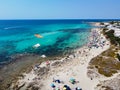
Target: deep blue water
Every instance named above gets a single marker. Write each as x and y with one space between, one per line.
17 36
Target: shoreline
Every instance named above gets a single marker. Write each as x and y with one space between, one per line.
10 72
80 60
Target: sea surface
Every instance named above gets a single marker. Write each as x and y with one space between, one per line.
59 36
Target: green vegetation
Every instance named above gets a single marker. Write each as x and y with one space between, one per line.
110 35
105 87
112 22
118 56
106 63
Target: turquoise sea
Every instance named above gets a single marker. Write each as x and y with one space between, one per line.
59 36
18 36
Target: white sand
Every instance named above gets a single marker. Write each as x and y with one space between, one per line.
75 67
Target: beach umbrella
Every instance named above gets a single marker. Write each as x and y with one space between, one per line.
64 88
57 88
78 88
52 85
57 80
72 79
65 85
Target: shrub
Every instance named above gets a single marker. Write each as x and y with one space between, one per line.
118 56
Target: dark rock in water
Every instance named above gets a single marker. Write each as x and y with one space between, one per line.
3 59
10 59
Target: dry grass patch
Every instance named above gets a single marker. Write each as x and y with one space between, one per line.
106 63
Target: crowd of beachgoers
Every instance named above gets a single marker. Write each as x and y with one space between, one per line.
69 73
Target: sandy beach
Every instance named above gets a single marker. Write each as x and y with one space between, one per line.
73 66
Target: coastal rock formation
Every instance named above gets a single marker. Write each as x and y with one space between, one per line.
112 84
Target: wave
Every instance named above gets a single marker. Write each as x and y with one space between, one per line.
12 27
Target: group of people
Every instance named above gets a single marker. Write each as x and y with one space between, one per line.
64 87
96 40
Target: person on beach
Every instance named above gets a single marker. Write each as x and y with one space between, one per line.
53 80
47 63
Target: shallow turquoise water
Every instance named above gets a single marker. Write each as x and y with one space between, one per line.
57 37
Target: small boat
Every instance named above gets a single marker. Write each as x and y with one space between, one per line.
36 45
38 36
